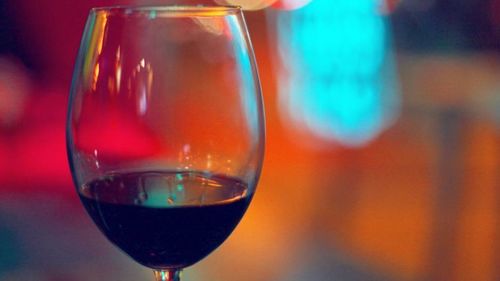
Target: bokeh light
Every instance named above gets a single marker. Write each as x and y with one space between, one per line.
290 4
249 5
337 77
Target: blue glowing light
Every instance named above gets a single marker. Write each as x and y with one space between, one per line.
337 77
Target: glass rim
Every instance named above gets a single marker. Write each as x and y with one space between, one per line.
169 10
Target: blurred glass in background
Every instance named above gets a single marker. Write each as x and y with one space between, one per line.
382 158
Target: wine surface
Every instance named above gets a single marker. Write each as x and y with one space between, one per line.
166 219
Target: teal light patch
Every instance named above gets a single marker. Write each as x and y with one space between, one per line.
152 14
339 80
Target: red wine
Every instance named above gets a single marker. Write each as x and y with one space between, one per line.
166 219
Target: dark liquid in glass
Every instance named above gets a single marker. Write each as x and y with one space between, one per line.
166 220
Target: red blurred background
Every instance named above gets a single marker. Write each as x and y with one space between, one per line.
417 200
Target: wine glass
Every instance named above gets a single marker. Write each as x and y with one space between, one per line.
165 129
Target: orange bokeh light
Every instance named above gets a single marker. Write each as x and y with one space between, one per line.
249 5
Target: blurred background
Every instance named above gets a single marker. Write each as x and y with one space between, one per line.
383 145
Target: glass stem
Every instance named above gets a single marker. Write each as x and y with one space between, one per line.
168 275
